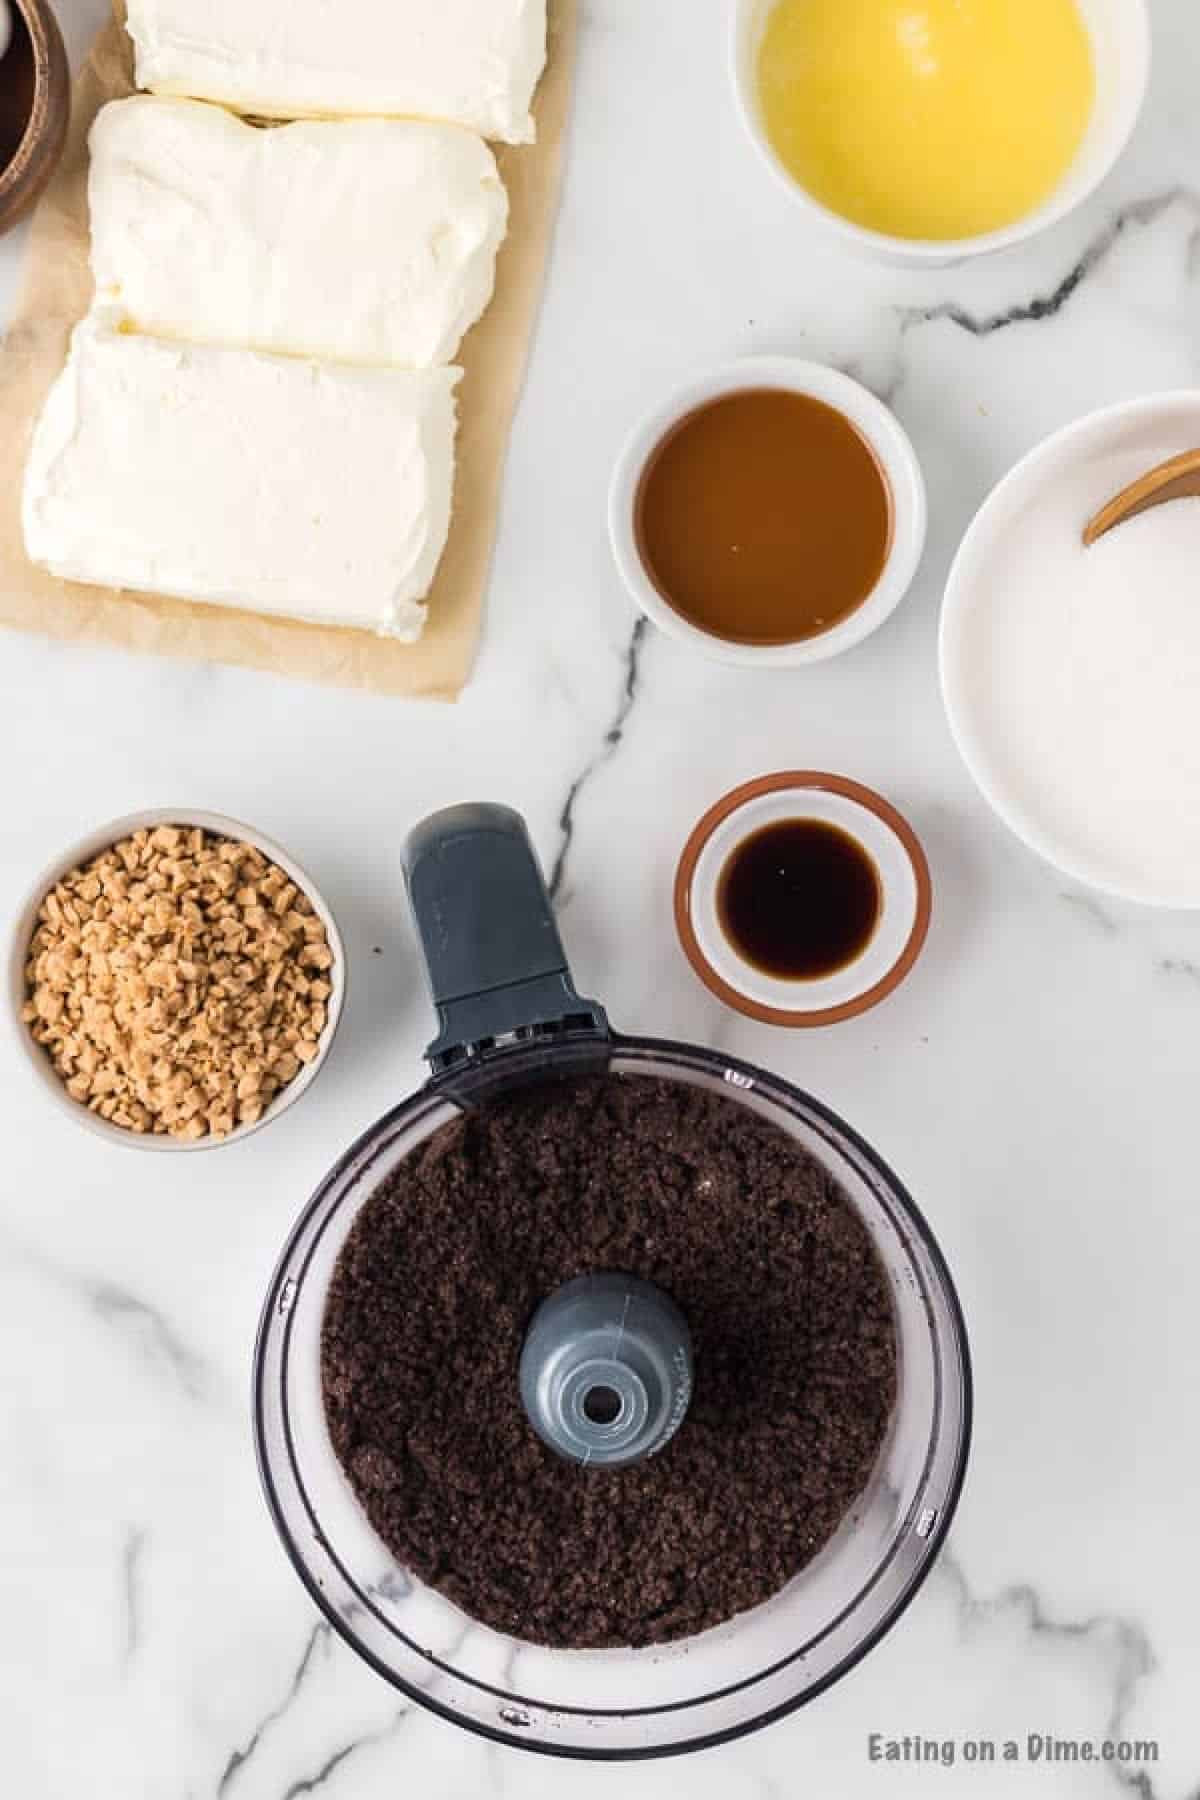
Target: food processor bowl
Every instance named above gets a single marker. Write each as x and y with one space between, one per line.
664 1699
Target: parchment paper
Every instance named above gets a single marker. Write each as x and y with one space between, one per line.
56 294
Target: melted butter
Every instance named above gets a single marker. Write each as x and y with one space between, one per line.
934 119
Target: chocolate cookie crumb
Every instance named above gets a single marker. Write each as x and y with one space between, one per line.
794 1340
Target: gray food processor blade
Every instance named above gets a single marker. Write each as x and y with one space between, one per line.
606 1370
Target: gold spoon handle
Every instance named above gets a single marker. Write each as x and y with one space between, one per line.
1177 479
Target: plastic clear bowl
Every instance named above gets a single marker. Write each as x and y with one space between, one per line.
619 1703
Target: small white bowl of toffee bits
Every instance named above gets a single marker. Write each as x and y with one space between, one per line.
177 981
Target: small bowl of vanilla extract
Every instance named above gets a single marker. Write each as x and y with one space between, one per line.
803 899
771 514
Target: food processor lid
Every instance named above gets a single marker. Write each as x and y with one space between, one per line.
497 970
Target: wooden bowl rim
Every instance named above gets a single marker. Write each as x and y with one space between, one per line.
46 127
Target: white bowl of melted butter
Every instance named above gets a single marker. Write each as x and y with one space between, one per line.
922 132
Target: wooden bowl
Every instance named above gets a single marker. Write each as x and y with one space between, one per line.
35 107
902 870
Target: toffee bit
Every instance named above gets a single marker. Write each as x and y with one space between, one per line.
177 983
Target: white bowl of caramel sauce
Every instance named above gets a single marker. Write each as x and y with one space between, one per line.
769 514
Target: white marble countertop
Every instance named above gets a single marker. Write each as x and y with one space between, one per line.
1034 1082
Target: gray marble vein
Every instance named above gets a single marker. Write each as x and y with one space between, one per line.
132 1552
608 748
1180 966
507 1678
493 1762
1191 260
309 1784
1045 306
318 1638
1131 1651
118 1306
1086 906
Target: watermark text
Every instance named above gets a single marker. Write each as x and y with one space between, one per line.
1033 1747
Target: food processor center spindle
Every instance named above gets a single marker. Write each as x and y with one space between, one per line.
606 1370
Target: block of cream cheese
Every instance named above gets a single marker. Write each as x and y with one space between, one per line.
364 240
470 62
317 491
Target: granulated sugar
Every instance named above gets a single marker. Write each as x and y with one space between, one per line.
1073 678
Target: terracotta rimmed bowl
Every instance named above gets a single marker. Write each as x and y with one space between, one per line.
102 839
35 155
899 935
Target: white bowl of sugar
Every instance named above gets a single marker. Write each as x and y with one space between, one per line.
1071 677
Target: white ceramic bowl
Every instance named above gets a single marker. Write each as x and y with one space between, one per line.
101 839
887 438
1040 509
885 959
1120 33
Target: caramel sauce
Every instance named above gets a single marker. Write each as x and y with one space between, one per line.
764 517
799 900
